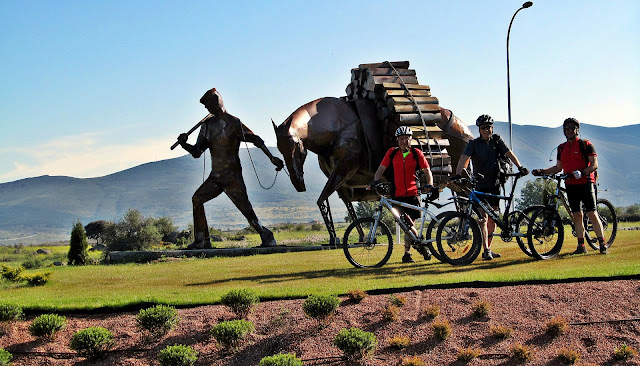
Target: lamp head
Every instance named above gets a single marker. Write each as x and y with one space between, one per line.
527 4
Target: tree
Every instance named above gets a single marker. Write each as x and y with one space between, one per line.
134 232
78 254
164 225
368 208
98 230
532 194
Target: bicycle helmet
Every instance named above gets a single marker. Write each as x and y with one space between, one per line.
483 120
403 130
571 120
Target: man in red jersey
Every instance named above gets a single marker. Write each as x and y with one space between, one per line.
578 158
405 160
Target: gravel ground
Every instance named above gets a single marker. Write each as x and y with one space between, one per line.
281 326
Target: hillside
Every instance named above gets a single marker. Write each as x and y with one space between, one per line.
47 205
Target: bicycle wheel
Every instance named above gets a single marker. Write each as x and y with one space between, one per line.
609 219
434 247
545 233
370 249
459 238
522 225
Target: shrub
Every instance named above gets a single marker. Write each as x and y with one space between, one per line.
431 311
398 301
37 279
281 360
320 307
78 254
355 343
441 329
521 353
5 357
501 331
411 361
157 320
481 309
91 342
230 333
177 355
32 263
390 313
568 356
356 295
467 355
399 342
557 326
624 352
10 312
240 301
47 325
10 273
317 227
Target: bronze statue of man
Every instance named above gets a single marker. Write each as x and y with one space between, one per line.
222 133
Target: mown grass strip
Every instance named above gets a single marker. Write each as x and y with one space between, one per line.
297 275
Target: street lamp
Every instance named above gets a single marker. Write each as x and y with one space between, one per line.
524 6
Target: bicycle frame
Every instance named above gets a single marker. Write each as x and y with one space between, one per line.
425 212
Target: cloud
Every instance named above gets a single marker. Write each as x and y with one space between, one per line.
83 156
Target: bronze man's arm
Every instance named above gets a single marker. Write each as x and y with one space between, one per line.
191 149
249 136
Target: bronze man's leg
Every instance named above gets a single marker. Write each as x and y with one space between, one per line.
237 193
206 192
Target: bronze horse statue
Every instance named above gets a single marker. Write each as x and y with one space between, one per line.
332 128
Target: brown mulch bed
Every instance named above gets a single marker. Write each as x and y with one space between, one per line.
281 327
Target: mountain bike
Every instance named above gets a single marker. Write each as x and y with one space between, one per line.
546 227
471 209
368 241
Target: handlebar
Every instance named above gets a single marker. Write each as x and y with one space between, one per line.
555 176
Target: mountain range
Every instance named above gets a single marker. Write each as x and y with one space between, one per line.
44 208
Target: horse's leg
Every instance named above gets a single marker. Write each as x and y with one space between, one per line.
338 176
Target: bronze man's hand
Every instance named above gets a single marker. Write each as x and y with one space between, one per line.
278 163
182 139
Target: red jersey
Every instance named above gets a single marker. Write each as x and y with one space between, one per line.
572 158
404 171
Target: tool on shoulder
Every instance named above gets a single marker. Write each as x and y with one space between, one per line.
192 129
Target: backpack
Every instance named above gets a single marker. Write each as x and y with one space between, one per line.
504 166
389 175
585 154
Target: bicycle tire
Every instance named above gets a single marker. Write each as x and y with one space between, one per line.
460 243
523 221
609 219
434 248
545 233
363 254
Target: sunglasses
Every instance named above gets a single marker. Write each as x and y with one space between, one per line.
569 128
486 128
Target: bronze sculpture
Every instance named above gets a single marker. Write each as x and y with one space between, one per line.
222 133
331 128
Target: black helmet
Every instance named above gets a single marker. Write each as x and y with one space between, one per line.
571 120
483 120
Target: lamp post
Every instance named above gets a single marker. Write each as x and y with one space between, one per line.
524 6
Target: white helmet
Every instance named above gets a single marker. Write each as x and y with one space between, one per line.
403 130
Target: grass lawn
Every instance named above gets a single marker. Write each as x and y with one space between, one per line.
204 281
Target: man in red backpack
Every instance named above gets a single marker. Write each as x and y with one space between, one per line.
404 161
578 158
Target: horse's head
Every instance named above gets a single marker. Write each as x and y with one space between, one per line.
293 151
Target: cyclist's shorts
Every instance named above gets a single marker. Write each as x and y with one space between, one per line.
493 201
584 193
412 200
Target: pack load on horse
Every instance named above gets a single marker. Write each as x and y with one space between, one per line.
351 134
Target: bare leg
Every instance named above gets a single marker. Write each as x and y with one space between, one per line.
597 224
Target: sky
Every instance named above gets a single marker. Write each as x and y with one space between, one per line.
89 88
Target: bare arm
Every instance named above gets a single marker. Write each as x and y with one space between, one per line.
462 164
379 172
427 173
593 167
513 158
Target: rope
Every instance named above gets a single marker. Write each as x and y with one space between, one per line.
254 166
424 125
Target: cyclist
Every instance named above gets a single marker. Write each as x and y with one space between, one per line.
404 161
483 152
578 158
